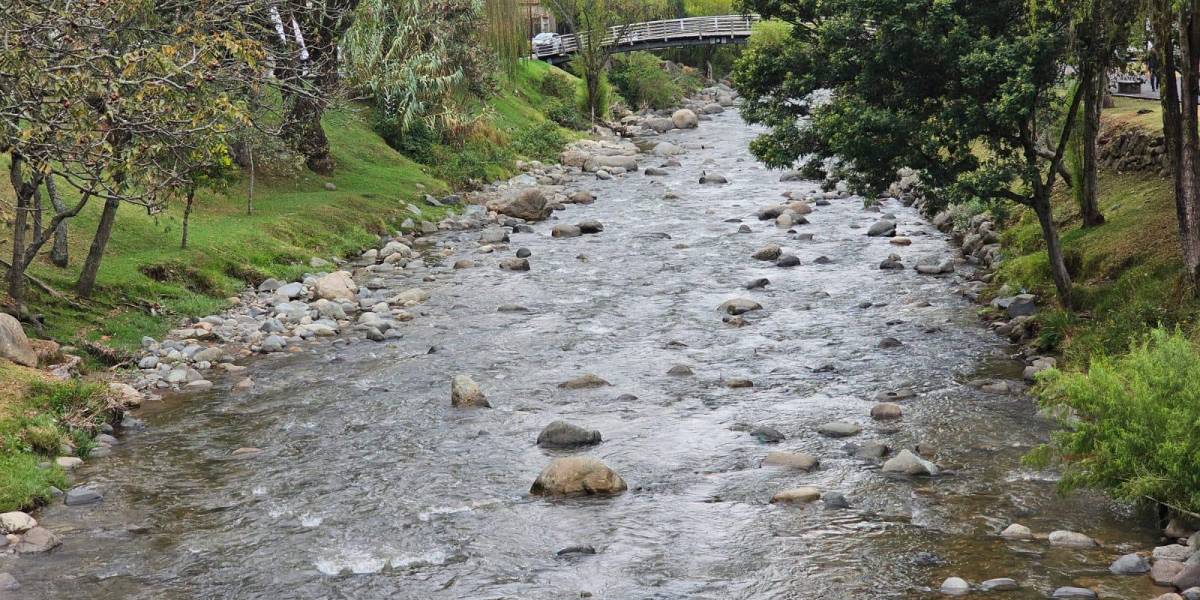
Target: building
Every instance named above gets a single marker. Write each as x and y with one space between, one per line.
539 17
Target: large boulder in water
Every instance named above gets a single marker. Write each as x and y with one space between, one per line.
596 163
337 285
685 119
561 434
529 204
907 463
577 475
14 345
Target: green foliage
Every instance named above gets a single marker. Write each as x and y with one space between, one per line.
542 141
641 80
411 75
24 484
559 85
42 435
1137 435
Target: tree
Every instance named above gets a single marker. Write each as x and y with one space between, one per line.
306 35
1175 32
1099 34
600 26
92 96
968 93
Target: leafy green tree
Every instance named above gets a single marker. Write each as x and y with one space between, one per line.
968 93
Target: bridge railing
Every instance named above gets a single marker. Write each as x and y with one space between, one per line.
665 30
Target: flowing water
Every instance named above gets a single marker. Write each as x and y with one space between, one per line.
371 486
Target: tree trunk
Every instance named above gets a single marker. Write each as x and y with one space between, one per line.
59 252
91 266
16 271
1187 186
306 134
187 215
1093 83
250 189
1054 251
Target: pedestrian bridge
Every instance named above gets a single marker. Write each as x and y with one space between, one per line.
655 35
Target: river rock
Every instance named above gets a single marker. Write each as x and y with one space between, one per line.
1130 564
68 462
1191 593
1073 593
800 495
680 371
798 460
768 252
838 429
889 342
465 393
684 119
835 500
581 549
771 212
755 284
36 541
667 149
882 228
14 345
577 475
514 264
1070 539
336 286
767 435
529 204
565 231
561 434
82 496
1188 577
787 261
16 522
999 584
8 583
1172 552
1163 571
871 450
885 411
493 235
584 382
581 197
712 179
656 172
290 291
590 226
907 463
891 263
1016 531
659 124
739 306
955 586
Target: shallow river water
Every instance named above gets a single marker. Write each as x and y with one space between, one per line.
371 486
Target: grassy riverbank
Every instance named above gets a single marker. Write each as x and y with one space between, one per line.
147 282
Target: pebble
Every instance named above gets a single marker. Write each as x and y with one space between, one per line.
1070 539
1016 531
804 495
886 411
955 586
839 429
1074 593
799 460
1000 584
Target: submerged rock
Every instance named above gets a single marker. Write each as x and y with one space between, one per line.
583 382
799 460
801 495
955 586
561 434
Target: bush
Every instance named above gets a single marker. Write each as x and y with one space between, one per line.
1137 434
558 85
565 113
641 80
417 141
540 142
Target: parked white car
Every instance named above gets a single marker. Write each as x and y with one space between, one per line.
547 43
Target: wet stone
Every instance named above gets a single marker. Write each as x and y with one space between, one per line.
767 435
1130 564
1000 584
839 429
955 586
1073 593
561 434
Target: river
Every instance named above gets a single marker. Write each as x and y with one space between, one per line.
371 486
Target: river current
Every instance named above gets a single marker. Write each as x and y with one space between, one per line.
371 486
